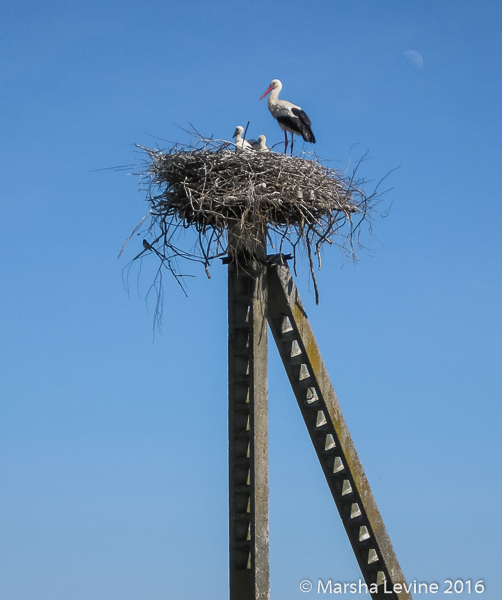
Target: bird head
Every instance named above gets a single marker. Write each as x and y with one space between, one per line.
274 84
239 130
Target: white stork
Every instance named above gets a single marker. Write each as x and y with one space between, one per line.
241 144
289 116
259 145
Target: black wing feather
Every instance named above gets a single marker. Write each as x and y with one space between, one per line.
291 124
304 125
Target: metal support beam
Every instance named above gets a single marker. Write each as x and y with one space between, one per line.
331 438
248 430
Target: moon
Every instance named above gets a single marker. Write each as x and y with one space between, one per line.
414 57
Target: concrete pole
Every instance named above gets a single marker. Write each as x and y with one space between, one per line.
331 439
248 426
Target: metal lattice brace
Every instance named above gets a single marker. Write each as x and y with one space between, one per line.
248 432
331 438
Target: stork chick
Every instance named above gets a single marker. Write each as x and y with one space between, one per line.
259 145
240 143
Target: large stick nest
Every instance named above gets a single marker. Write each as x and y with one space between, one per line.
297 202
209 188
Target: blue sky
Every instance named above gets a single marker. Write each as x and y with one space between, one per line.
113 445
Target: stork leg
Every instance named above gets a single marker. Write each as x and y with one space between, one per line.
285 141
292 140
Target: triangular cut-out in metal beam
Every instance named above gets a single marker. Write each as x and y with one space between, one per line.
295 349
330 443
286 325
338 466
321 412
304 372
321 419
311 395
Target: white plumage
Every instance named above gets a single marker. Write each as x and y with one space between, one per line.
289 116
240 143
259 145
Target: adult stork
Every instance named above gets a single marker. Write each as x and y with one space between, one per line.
289 116
260 145
240 143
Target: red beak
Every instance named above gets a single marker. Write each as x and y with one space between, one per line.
267 92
